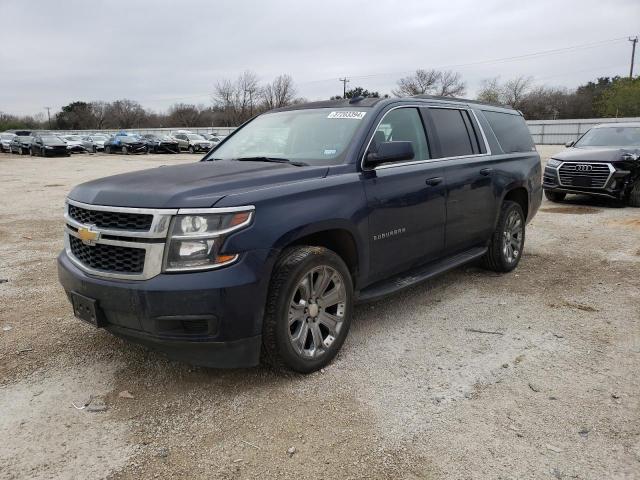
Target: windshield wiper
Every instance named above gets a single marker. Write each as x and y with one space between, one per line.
271 159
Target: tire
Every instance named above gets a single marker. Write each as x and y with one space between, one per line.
555 197
124 150
504 252
107 150
32 153
291 344
95 149
634 195
191 149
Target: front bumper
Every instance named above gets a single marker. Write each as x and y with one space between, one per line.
76 149
211 318
613 188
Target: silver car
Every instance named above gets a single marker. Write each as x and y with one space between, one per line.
94 143
5 141
192 142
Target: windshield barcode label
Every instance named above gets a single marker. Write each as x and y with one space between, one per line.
347 114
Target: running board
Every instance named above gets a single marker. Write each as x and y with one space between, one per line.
418 275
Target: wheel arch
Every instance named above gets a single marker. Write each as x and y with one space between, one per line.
520 195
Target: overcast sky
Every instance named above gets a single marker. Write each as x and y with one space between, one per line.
161 52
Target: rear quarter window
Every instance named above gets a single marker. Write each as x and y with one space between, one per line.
511 131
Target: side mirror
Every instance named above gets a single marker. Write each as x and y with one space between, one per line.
570 144
390 152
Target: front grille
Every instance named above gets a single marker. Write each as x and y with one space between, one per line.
586 175
109 258
111 220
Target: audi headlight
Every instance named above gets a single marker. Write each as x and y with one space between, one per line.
553 163
195 239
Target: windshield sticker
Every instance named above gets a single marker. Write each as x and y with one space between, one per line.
347 114
330 152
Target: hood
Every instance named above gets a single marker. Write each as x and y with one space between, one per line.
194 185
595 154
73 142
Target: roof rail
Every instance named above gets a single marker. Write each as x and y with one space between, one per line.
464 100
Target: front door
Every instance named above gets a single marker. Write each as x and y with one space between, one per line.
406 200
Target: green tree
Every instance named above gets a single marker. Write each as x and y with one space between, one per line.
622 99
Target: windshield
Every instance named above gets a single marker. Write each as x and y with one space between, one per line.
315 136
53 140
611 137
98 138
7 136
193 136
73 138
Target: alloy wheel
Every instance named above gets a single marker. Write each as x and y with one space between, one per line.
316 311
512 237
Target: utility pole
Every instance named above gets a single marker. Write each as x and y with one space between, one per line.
633 40
49 116
344 81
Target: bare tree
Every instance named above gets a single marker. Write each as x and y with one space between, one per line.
279 93
99 111
183 115
490 91
515 90
450 84
431 82
126 113
237 100
421 82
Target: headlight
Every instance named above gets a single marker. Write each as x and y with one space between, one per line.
48 147
195 240
553 163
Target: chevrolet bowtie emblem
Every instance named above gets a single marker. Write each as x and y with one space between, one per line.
88 236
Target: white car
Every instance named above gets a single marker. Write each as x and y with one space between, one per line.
74 143
5 141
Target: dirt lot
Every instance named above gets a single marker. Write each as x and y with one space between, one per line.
554 392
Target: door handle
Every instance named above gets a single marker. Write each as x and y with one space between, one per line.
432 182
486 171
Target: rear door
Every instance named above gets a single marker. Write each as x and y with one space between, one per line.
471 198
406 200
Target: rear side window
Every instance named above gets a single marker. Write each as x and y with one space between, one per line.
511 131
452 130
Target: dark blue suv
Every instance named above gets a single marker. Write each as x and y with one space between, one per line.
261 250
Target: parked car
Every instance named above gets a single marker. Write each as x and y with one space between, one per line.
604 162
21 144
94 143
212 138
49 145
161 143
192 142
262 249
126 144
5 141
74 143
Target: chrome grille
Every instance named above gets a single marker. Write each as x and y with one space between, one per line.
129 242
111 220
585 174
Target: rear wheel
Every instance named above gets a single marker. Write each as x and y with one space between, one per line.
554 196
308 311
507 241
634 195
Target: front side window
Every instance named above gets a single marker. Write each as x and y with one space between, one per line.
452 131
403 125
314 136
610 137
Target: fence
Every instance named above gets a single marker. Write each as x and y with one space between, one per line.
559 132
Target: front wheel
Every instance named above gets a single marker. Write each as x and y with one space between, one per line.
192 150
634 195
107 150
125 151
308 310
507 241
554 196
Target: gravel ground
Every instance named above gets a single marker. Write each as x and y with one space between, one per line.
416 393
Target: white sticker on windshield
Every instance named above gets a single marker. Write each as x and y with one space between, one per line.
347 114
